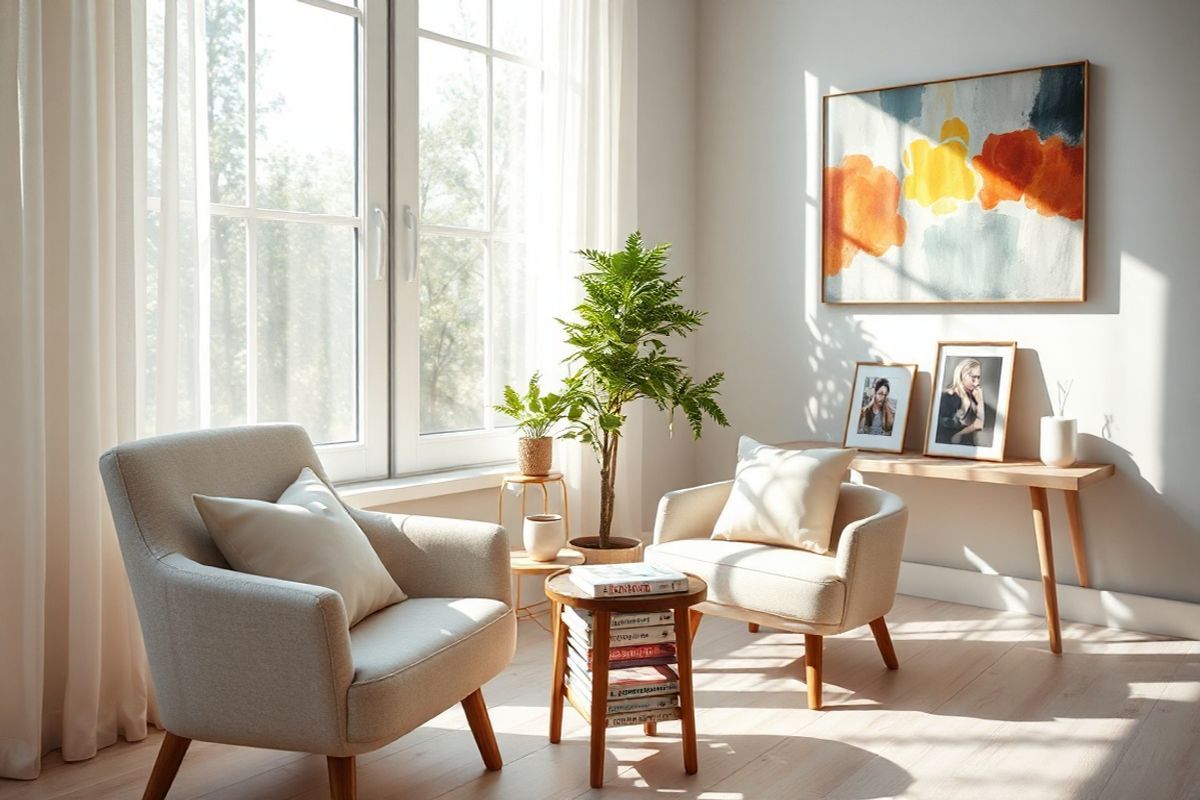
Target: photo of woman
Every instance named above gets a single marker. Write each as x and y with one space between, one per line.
878 409
878 415
969 408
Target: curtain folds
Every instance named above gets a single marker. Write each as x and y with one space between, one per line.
71 141
589 201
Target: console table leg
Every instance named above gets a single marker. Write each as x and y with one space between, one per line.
1041 529
1075 523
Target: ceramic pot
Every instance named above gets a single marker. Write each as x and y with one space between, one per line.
1058 441
620 550
543 536
534 456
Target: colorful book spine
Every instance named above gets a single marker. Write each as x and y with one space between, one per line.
578 663
638 717
634 588
617 621
623 636
625 704
628 652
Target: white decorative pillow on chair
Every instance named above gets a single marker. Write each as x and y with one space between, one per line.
784 497
308 537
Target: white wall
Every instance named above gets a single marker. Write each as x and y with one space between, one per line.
1131 349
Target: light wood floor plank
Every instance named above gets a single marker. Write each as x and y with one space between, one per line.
979 708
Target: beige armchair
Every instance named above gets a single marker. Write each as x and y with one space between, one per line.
248 660
792 590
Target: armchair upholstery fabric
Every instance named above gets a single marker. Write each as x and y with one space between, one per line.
244 659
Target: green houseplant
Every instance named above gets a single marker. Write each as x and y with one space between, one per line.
536 414
619 355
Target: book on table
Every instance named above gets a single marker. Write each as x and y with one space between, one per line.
582 619
628 580
624 655
647 634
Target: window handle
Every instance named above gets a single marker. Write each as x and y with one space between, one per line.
381 243
410 245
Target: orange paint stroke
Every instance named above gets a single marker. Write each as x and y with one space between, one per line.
1048 174
861 213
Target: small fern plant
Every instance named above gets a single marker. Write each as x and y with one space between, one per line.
535 413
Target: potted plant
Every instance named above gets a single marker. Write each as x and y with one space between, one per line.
535 415
619 355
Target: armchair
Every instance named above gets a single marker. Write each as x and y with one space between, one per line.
249 660
793 590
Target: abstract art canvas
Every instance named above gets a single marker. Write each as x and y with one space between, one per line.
970 190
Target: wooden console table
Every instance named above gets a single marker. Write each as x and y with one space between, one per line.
1016 472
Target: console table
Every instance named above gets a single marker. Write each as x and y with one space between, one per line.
1015 472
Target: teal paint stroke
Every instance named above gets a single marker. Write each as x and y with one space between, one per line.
972 255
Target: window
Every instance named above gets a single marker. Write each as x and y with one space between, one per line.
260 304
469 84
271 178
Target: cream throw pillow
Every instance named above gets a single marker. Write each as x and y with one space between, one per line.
783 497
308 537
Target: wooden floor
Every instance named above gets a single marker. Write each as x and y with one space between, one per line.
978 709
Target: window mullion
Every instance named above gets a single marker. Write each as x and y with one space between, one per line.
252 221
490 226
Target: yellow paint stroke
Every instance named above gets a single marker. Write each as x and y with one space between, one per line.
939 176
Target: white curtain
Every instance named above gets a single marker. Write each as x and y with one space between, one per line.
590 201
72 142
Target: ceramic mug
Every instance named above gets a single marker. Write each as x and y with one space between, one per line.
543 536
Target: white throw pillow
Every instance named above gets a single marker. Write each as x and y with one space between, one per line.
308 537
783 497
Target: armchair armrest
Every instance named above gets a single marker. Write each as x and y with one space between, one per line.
245 659
439 557
690 513
869 552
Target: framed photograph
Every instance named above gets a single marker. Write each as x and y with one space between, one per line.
880 398
968 412
963 190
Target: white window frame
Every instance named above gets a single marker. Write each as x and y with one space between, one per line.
413 451
366 456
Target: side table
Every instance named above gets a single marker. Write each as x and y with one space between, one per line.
562 592
542 480
521 565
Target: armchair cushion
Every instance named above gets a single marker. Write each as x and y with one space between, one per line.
307 537
415 659
783 497
783 582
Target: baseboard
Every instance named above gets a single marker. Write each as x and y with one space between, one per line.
1131 612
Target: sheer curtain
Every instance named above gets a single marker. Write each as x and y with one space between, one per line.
590 201
72 122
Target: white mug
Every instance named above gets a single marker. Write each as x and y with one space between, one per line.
543 536
1058 441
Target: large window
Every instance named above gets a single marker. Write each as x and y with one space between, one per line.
271 180
469 170
260 304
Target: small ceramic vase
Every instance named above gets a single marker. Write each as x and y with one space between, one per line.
1058 441
543 536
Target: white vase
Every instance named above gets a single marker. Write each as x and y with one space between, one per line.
1058 441
543 536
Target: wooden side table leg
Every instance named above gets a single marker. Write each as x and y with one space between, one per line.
557 680
562 482
1075 523
687 698
600 623
545 499
1041 529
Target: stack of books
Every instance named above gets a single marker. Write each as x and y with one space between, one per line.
642 686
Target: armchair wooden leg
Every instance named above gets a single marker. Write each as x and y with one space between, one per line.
170 755
694 619
481 728
812 669
752 627
884 640
343 777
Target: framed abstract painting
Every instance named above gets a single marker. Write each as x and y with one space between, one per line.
966 190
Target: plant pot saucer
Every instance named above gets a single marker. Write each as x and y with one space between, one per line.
620 550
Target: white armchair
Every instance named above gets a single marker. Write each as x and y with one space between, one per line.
248 660
793 590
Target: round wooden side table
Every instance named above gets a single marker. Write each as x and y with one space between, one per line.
521 565
562 592
524 482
